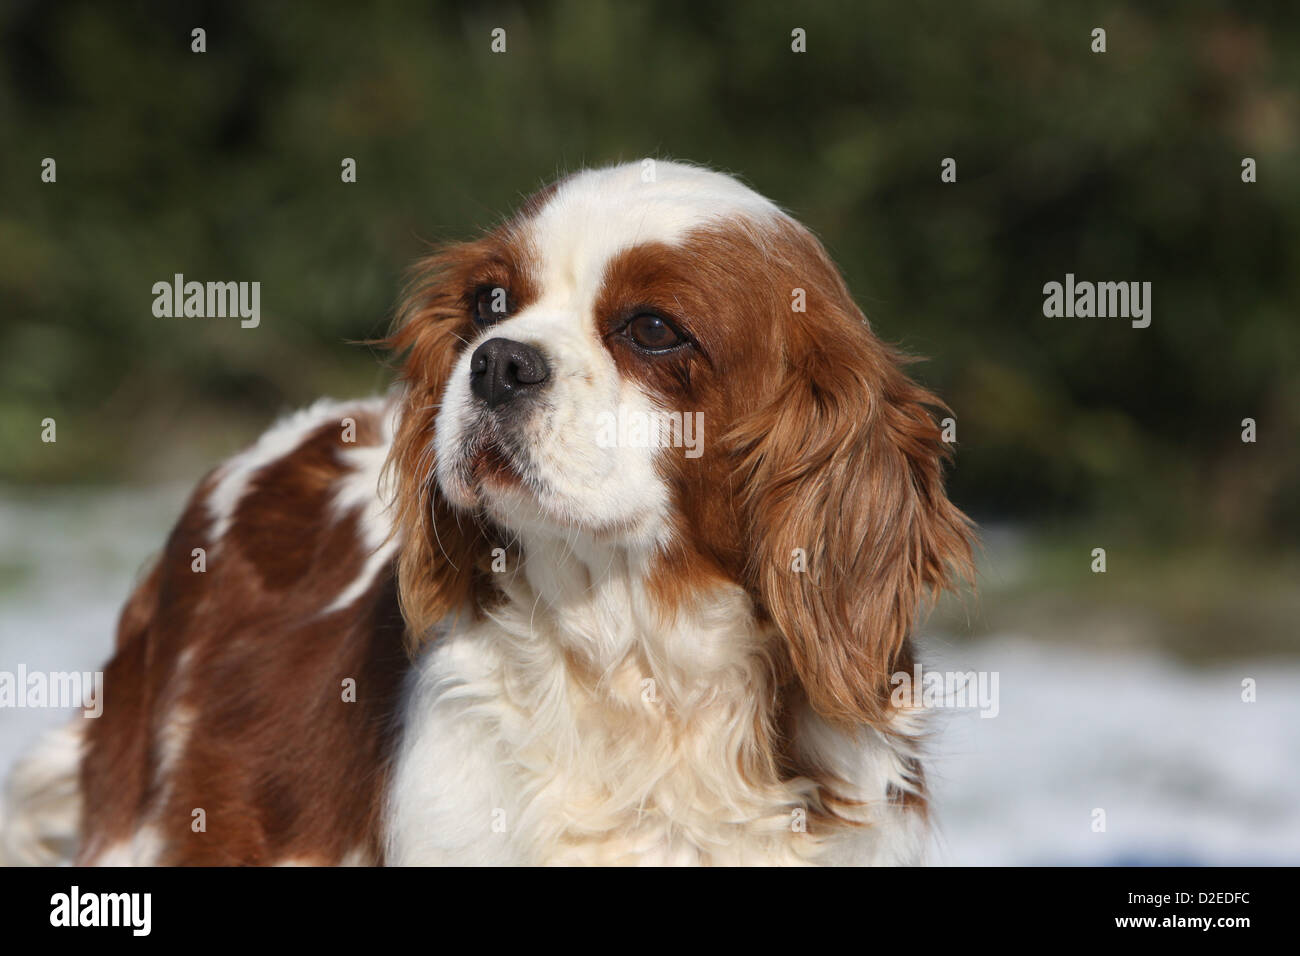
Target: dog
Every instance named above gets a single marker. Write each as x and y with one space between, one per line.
502 616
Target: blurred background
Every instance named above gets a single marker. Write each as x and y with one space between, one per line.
1120 691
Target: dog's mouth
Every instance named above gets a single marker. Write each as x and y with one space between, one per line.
489 462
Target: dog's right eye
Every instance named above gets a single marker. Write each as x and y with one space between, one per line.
491 305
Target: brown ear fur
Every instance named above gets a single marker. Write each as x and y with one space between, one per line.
846 463
437 569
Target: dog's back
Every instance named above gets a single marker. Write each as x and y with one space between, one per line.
249 705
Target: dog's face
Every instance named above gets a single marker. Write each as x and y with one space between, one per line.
658 358
592 336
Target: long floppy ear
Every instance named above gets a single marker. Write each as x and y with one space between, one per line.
846 464
437 570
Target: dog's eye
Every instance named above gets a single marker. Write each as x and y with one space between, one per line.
653 333
491 305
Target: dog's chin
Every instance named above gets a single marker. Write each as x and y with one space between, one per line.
492 480
509 500
490 486
520 508
470 482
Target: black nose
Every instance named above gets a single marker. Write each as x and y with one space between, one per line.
503 369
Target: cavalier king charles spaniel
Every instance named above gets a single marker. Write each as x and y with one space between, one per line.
619 573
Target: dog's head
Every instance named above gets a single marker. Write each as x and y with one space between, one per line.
655 357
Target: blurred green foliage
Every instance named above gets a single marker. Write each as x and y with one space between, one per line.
1115 166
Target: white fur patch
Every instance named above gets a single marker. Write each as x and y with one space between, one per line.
41 812
277 442
366 490
597 213
143 849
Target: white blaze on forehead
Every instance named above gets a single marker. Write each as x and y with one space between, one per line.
595 214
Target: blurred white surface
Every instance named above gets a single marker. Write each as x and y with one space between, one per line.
1186 772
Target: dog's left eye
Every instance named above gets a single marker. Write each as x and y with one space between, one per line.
652 333
491 305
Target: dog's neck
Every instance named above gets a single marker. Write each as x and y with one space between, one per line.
618 731
595 603
633 714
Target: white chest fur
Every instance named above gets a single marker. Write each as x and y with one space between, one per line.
574 726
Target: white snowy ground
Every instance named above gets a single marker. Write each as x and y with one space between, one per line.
1185 771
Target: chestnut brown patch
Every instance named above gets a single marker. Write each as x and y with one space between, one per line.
243 654
815 439
441 565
